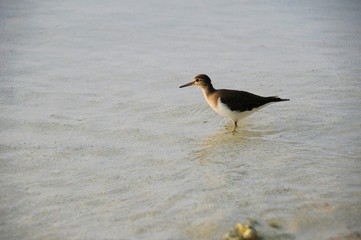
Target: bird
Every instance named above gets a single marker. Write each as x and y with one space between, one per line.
231 104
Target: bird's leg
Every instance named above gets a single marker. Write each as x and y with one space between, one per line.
235 126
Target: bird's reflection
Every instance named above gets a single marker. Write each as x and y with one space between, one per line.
225 144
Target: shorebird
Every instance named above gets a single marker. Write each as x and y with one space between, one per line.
232 104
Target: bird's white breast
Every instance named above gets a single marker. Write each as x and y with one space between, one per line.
223 110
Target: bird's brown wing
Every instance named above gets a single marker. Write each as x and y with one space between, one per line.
243 101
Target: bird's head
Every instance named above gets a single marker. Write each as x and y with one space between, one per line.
201 80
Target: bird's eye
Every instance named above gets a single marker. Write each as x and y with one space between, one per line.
197 80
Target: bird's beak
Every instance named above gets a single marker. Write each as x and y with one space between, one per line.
186 85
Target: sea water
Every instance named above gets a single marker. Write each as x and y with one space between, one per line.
98 142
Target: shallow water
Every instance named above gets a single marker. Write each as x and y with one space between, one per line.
98 142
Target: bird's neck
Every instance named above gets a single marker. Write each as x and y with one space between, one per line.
208 90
